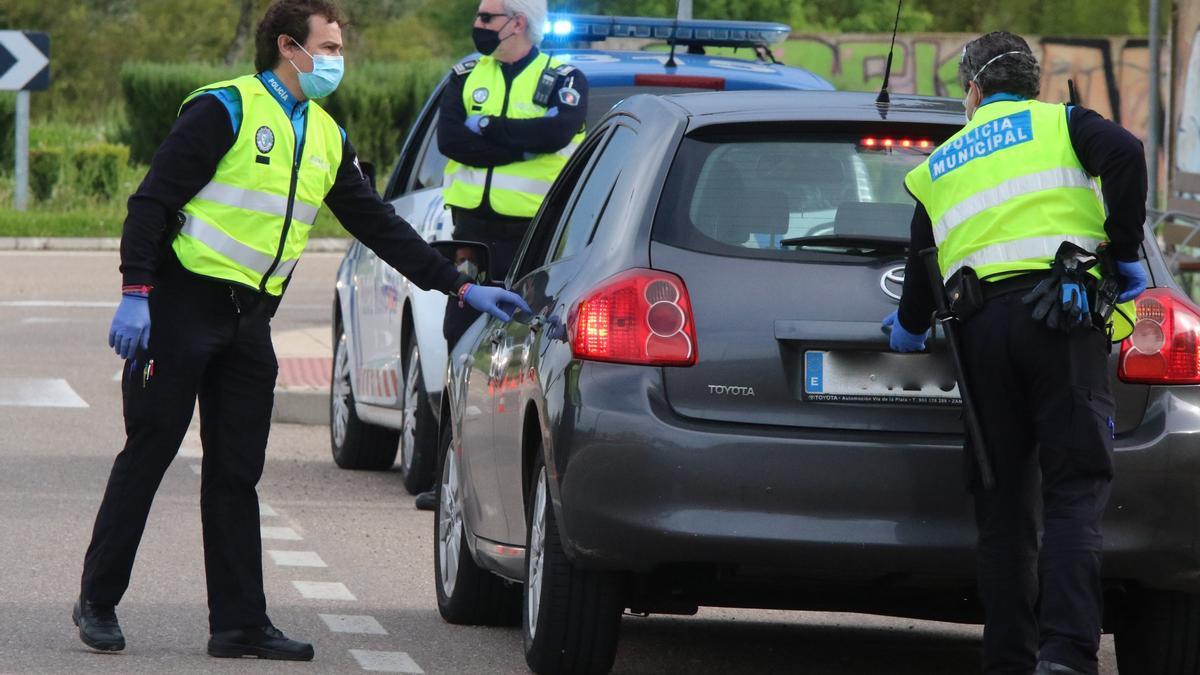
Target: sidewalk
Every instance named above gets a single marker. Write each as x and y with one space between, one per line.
305 369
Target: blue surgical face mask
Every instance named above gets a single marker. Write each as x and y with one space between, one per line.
325 76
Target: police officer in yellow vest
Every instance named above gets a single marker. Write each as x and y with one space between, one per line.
508 121
212 237
999 198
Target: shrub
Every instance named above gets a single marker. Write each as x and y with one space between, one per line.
45 168
8 121
98 169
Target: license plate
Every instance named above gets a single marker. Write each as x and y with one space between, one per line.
879 377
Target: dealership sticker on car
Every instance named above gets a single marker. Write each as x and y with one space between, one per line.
878 377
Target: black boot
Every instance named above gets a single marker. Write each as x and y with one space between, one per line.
1050 668
265 642
98 627
426 501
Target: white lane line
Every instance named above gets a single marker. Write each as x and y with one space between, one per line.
324 590
297 559
38 320
190 452
39 393
55 303
280 533
362 625
265 510
117 377
385 662
196 468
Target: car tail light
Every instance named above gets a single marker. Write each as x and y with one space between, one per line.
684 81
1164 347
640 316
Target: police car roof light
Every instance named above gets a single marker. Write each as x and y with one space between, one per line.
697 32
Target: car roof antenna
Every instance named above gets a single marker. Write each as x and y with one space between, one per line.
674 37
884 98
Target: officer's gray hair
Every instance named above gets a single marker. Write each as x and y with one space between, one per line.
534 12
1000 62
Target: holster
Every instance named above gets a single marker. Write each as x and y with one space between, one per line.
964 293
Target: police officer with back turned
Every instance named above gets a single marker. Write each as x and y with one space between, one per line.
1012 203
210 241
508 122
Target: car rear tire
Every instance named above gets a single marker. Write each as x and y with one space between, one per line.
467 594
1159 634
571 617
419 436
355 444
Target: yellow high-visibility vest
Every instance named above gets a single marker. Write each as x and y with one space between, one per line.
250 224
515 189
1005 191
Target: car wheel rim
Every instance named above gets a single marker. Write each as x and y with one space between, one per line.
450 525
340 396
537 554
408 436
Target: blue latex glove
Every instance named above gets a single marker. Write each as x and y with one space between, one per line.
472 123
902 340
552 112
130 326
495 301
1134 278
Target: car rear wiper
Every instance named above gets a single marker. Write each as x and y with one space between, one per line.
849 243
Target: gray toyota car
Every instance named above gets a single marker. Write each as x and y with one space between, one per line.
703 409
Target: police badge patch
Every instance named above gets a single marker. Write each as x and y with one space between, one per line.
479 95
264 139
568 96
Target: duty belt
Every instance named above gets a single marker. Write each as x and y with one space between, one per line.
1020 283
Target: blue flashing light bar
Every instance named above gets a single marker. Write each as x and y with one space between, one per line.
591 28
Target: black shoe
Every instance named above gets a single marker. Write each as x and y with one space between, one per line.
98 627
1050 668
426 501
266 642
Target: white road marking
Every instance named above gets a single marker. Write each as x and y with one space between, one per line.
39 393
324 590
297 559
48 320
196 468
280 533
265 510
190 452
385 662
117 377
362 625
56 303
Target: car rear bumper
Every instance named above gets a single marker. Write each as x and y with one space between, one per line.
640 488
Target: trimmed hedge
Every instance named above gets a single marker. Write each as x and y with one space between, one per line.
98 169
45 168
8 134
376 102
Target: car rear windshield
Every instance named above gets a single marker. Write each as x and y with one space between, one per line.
746 193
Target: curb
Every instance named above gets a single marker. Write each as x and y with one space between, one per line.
294 405
322 245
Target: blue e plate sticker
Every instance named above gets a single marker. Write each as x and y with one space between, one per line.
813 377
981 141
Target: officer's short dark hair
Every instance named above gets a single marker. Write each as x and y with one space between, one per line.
1012 73
288 17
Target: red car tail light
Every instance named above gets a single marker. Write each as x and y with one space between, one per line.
1165 345
640 316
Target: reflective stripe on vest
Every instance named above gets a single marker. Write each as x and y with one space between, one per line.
1010 189
250 224
516 189
1019 249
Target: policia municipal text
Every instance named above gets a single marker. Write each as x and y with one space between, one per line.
999 199
211 239
508 121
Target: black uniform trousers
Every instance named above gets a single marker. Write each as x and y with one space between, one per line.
211 341
1046 412
503 237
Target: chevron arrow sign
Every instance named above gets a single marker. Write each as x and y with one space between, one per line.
24 60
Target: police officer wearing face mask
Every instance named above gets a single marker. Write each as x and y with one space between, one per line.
508 122
211 239
999 199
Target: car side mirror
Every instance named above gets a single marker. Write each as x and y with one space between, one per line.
470 257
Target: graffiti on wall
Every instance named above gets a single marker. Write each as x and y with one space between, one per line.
1111 74
1183 191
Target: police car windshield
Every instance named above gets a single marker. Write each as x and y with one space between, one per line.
783 195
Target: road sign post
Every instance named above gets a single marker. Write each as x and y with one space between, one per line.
24 67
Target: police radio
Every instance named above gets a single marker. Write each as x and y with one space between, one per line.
545 86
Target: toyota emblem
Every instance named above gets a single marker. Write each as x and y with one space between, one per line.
892 279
